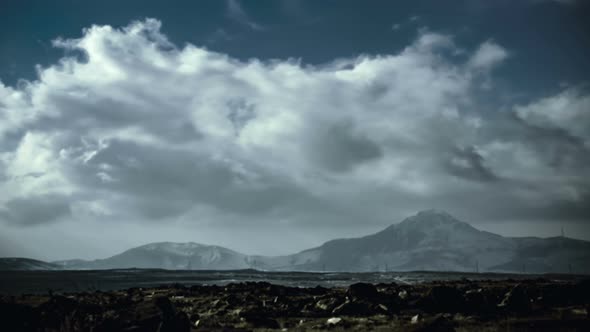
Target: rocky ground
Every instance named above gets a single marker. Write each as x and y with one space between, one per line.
507 305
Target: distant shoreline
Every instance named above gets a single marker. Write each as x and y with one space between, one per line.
40 282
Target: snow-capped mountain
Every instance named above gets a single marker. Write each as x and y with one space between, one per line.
430 240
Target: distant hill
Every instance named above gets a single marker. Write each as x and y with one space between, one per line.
168 255
550 255
20 264
430 240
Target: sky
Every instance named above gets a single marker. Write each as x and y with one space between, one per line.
271 127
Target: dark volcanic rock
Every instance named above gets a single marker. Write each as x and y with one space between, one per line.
362 291
56 312
157 314
473 305
582 290
318 290
476 301
444 299
328 303
354 308
261 321
437 323
18 317
516 300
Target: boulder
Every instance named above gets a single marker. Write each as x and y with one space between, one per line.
362 290
476 301
354 308
328 303
516 300
403 294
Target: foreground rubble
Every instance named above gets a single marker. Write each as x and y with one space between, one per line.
507 305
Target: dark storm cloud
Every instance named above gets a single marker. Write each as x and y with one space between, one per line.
338 148
34 210
559 146
571 210
578 209
558 129
468 163
561 149
158 183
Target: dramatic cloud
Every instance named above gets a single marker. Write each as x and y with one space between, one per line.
137 129
568 111
35 209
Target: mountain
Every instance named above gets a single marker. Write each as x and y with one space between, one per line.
167 255
430 240
434 240
26 264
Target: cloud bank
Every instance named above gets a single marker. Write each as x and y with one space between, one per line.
135 128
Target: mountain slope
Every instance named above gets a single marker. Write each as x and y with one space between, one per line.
434 240
26 264
168 255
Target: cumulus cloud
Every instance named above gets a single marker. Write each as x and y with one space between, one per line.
140 129
568 111
488 55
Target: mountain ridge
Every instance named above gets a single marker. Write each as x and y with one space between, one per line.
23 263
429 240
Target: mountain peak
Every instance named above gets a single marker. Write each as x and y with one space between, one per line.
434 221
432 216
172 245
435 213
